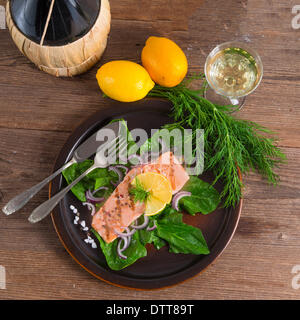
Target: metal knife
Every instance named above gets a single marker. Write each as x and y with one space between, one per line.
83 152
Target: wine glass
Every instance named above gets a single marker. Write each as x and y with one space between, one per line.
232 70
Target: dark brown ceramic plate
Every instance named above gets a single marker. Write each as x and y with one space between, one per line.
160 268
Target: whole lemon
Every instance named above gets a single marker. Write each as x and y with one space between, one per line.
124 81
165 61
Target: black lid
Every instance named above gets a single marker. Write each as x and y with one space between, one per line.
69 21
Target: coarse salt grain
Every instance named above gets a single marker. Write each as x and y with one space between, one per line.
94 245
82 223
75 210
72 207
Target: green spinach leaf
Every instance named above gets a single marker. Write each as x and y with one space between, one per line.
182 238
169 216
99 177
96 178
135 251
204 199
150 236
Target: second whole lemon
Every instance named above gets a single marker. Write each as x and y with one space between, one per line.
124 80
165 61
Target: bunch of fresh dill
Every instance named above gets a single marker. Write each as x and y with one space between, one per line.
230 144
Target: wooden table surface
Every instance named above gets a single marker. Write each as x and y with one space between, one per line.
38 112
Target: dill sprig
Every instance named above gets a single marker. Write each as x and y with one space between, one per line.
230 144
138 192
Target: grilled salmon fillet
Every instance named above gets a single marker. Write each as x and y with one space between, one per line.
119 210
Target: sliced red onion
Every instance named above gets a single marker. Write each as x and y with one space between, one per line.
126 239
143 225
101 188
153 227
177 197
115 184
128 233
89 197
90 207
120 250
125 246
118 172
121 166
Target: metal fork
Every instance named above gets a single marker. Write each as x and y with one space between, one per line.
100 161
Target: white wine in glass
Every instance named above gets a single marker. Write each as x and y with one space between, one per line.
232 70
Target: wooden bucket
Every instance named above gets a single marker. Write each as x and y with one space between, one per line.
67 59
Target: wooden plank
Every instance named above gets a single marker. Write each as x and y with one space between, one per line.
27 157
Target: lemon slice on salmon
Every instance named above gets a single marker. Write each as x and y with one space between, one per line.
159 188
